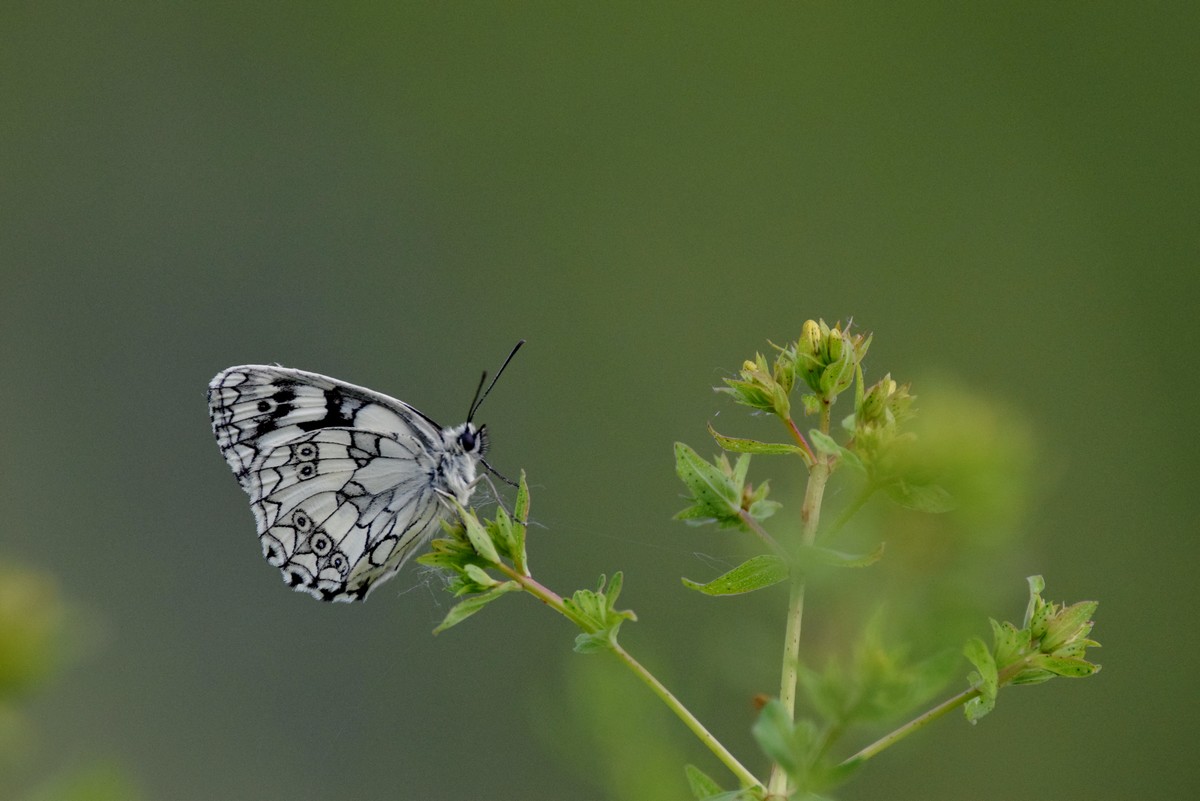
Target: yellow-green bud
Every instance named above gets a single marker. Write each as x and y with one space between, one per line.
834 345
810 338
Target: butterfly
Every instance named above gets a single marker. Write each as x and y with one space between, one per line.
345 483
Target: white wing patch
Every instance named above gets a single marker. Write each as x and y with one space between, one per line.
345 483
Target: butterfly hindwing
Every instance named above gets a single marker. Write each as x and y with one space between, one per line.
345 483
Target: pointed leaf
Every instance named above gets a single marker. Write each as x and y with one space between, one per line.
760 571
740 468
823 443
477 534
1036 585
1070 667
464 609
711 489
480 576
591 642
929 498
740 445
809 555
1069 624
762 509
503 534
986 679
1031 676
773 731
1008 643
700 783
521 505
520 519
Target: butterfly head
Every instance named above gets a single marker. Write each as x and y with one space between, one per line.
472 439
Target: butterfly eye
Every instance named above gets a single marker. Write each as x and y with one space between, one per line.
467 439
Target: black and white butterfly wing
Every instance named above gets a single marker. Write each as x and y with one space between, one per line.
345 483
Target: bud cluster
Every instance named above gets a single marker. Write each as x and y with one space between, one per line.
828 358
825 358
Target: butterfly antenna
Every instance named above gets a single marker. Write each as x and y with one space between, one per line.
478 400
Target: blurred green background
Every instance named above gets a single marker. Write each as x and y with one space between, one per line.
393 193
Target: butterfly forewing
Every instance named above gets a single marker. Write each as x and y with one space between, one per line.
345 483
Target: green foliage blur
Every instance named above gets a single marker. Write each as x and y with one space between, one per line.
40 635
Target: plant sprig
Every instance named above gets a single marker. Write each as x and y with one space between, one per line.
487 559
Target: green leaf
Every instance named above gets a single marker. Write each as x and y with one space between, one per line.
1040 622
696 515
502 533
464 609
823 443
1008 643
592 641
791 745
595 612
851 459
808 556
521 505
929 498
760 571
700 783
1036 585
1071 623
480 576
1071 667
714 493
986 679
738 477
478 536
774 732
520 520
760 508
739 445
1031 676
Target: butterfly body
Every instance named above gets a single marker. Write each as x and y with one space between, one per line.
345 483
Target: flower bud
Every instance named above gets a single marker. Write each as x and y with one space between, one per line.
810 338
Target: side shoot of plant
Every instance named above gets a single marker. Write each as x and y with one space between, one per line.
487 559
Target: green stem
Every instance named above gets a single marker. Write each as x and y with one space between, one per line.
810 514
556 602
809 457
913 725
762 534
544 594
744 776
1005 675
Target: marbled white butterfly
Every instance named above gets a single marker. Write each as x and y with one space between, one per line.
345 483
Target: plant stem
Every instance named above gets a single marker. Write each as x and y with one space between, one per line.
538 590
1005 675
810 514
762 534
913 725
744 776
809 457
556 602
